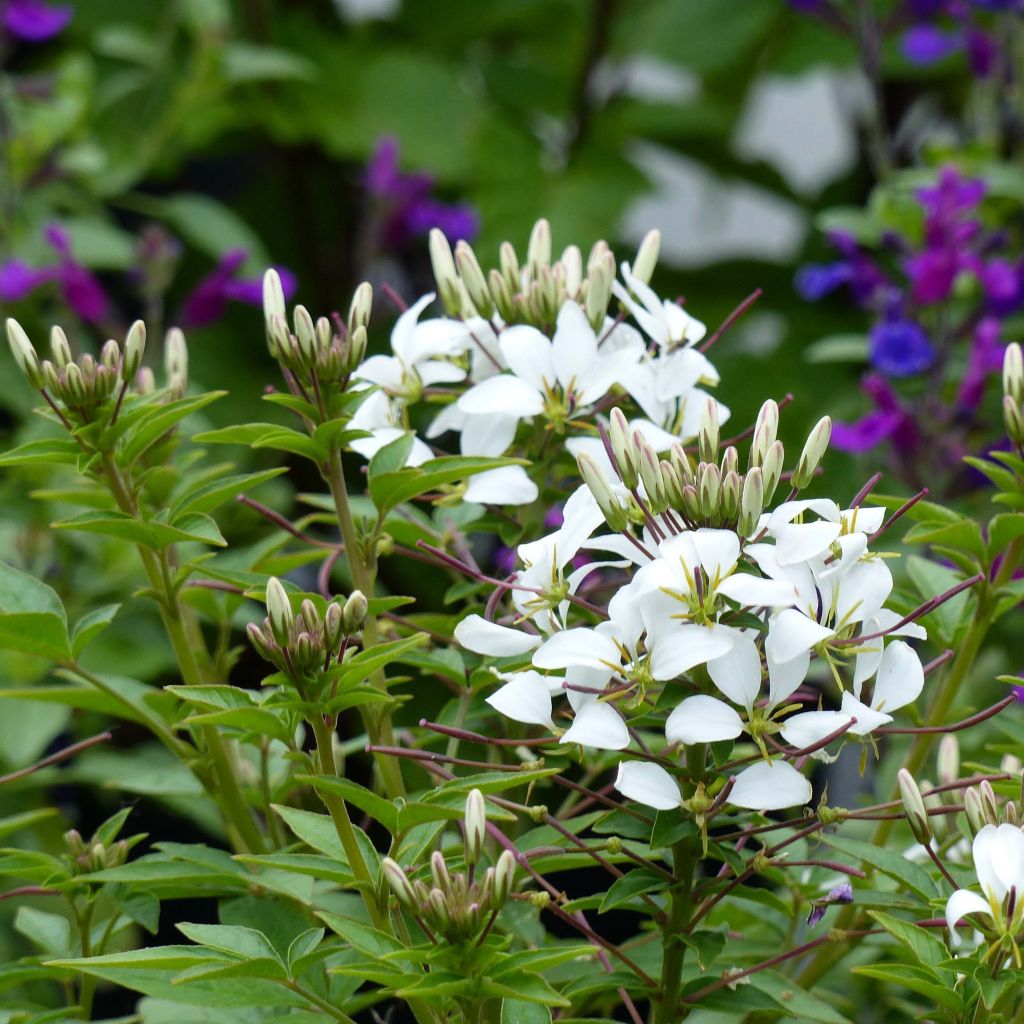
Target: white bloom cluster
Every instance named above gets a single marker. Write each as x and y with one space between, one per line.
717 626
495 375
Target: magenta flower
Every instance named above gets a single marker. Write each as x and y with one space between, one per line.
410 208
79 287
208 300
34 21
986 358
888 420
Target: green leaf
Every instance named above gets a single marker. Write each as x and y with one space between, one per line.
895 865
630 885
389 490
90 626
32 618
158 421
248 62
55 451
240 433
234 939
917 979
925 946
515 1011
379 808
1002 530
309 865
930 579
212 227
391 457
838 348
363 665
209 496
151 533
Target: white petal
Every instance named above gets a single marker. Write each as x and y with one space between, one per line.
791 633
862 591
863 519
451 417
797 542
753 592
1006 857
810 727
598 725
524 698
404 331
703 719
717 550
585 647
825 508
784 678
961 903
504 394
677 650
573 347
648 784
476 633
488 435
868 719
900 677
383 370
508 485
684 369
771 786
528 354
737 673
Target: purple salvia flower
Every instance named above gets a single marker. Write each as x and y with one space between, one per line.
34 21
982 53
887 421
926 44
208 300
986 358
18 280
816 280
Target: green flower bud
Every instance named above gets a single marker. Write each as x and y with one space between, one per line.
1012 420
439 872
354 613
708 434
691 504
948 759
357 352
502 296
813 453
974 810
60 348
110 355
772 469
599 290
476 825
305 334
730 500
134 350
472 277
647 257
398 883
913 807
175 354
671 485
279 611
25 354
572 265
509 263
438 907
1013 373
681 462
444 272
989 803
362 305
260 642
538 252
766 428
730 461
273 297
594 478
599 253
751 503
145 381
709 489
310 617
76 389
627 459
334 626
504 876
650 473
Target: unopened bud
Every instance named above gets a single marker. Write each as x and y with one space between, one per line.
305 334
259 641
730 500
572 266
362 305
501 296
509 263
974 810
134 350
25 354
473 278
948 759
279 611
76 383
766 428
1013 373
309 616
600 277
439 872
444 272
647 257
772 469
175 354
1012 420
538 252
334 625
989 803
708 434
751 503
504 875
357 352
145 381
354 612
273 297
650 473
398 882
913 807
60 347
1010 813
730 461
709 489
110 356
600 488
813 453
438 907
476 825
626 457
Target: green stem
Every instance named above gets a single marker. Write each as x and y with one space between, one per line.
362 568
673 949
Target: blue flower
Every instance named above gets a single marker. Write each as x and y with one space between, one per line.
815 280
900 348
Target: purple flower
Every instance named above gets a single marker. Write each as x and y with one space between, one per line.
79 287
986 358
816 280
951 195
900 347
931 274
411 209
927 44
842 893
208 300
982 52
1003 284
1018 692
33 20
888 420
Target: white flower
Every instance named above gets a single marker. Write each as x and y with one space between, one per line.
526 697
899 681
478 634
557 376
380 417
999 864
508 485
666 323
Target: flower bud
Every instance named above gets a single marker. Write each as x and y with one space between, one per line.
708 434
772 469
134 350
438 907
599 253
730 461
110 356
1013 373
671 485
650 473
508 261
647 257
305 334
974 810
691 503
989 803
273 297
627 459
25 354
681 462
439 872
473 278
305 652
948 759
1010 813
813 453
145 382
60 348
354 612
279 611
594 478
572 265
334 626
538 252
310 617
476 825
1012 420
913 807
75 384
362 304
730 500
501 296
709 489
444 272
259 641
504 876
398 882
357 352
175 354
751 503
766 428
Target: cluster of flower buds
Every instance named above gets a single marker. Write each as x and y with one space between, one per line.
456 905
321 350
534 292
86 857
709 492
982 808
303 645
1013 393
81 386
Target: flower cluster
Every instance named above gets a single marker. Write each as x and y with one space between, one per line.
719 607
